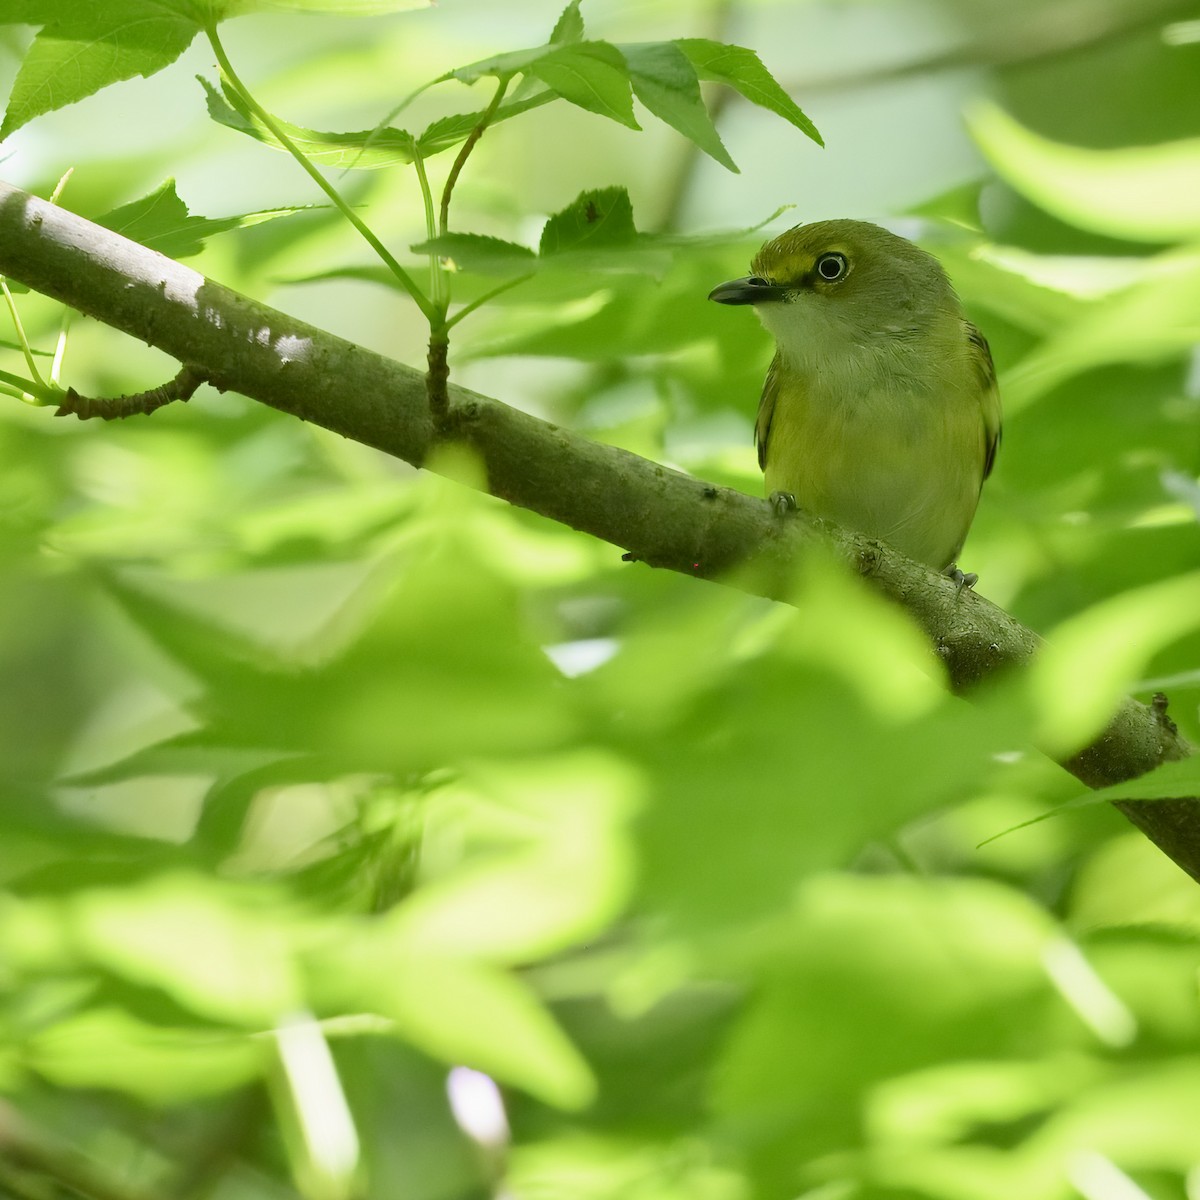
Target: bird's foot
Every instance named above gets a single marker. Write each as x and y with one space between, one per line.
961 580
783 503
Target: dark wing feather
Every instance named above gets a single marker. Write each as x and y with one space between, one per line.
982 356
766 411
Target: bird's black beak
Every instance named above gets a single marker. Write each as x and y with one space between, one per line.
751 290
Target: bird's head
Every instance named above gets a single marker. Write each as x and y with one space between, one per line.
818 287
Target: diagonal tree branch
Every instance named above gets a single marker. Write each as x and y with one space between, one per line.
659 516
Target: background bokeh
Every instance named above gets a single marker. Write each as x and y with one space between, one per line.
321 777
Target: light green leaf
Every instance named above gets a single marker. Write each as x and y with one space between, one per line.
665 81
161 221
233 965
340 8
1156 319
1091 659
459 1011
569 26
742 70
108 1048
563 876
1169 781
501 66
366 150
1143 193
82 48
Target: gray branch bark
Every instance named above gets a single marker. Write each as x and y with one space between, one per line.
659 516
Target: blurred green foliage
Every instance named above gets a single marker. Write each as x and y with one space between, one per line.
320 777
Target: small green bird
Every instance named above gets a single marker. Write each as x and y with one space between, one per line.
880 410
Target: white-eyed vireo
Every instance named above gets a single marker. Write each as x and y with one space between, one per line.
880 410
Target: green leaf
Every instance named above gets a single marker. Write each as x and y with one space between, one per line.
235 965
474 252
1143 193
552 875
161 221
592 75
665 81
449 131
1169 781
109 1048
501 66
340 8
1155 319
1092 658
459 1011
82 48
367 150
742 70
595 220
569 26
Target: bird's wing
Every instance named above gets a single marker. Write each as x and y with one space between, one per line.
990 393
766 411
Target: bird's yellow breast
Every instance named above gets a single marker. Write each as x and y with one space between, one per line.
894 460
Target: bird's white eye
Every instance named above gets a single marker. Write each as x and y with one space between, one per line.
831 267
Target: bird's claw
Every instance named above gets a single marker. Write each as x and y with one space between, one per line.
961 579
783 503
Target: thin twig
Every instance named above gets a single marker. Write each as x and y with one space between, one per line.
117 408
465 152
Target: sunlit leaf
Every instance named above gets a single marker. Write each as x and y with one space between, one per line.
1142 193
1154 319
742 70
1168 781
870 979
110 1050
161 221
341 8
461 1011
82 48
235 964
569 26
368 149
565 874
1092 658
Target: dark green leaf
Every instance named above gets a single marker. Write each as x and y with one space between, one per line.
665 81
595 220
474 252
742 70
592 75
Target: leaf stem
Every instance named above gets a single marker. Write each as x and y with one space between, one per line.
20 330
406 281
29 389
438 283
479 301
465 151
